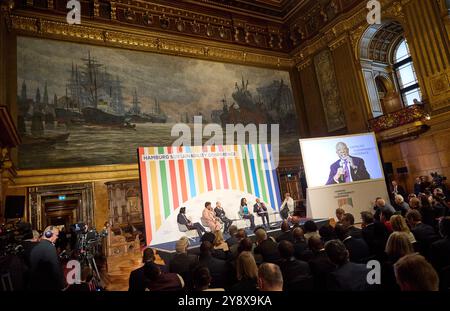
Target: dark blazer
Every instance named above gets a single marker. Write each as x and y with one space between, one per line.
183 264
218 269
440 254
357 248
182 219
425 236
321 266
375 235
137 281
355 232
260 210
349 277
285 236
45 269
268 249
359 174
219 212
294 270
245 285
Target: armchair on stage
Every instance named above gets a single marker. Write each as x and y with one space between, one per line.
191 234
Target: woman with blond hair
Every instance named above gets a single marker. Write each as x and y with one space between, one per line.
397 246
219 241
246 273
398 223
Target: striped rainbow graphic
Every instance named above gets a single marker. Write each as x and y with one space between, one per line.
167 183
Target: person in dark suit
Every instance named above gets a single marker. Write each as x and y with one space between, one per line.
182 262
136 282
286 233
267 248
294 271
349 222
45 269
347 168
319 263
424 234
218 268
440 250
357 248
375 234
183 220
348 276
261 210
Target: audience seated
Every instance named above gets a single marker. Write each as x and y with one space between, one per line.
397 246
270 278
440 253
339 214
157 281
296 273
385 219
240 235
375 234
348 275
320 264
218 268
232 240
266 247
202 280
286 233
183 263
398 224
400 204
327 233
219 242
136 281
414 273
423 233
246 273
349 222
357 248
310 229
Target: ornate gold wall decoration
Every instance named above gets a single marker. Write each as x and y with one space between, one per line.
145 41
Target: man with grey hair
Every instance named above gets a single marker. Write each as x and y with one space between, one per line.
400 204
270 278
381 206
267 247
347 168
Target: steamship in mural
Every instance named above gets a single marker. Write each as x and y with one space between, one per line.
81 105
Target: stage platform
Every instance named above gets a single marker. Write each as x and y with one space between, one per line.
167 250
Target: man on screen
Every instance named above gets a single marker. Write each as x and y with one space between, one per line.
347 168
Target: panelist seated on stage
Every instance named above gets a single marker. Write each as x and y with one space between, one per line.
183 220
244 212
288 206
221 214
261 210
347 168
209 218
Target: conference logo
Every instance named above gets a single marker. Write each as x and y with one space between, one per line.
374 15
74 15
235 134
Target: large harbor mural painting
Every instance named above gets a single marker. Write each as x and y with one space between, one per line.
82 105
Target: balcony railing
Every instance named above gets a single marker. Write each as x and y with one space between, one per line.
398 118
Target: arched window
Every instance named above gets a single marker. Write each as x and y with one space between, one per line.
405 74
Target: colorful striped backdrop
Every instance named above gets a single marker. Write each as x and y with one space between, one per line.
170 176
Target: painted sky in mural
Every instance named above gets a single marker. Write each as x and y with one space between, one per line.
87 105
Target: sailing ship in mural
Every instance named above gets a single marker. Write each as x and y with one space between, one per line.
107 102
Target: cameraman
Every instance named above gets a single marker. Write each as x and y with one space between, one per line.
46 272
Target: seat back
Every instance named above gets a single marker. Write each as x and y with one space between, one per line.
182 228
203 221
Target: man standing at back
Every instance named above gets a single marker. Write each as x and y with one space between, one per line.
45 271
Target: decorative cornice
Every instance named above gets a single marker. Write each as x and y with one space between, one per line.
147 41
304 64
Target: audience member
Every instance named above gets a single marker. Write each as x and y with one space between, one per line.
310 229
218 268
398 224
339 214
232 240
219 242
270 278
136 281
296 273
440 253
357 248
320 264
246 273
182 263
423 233
286 233
158 281
348 275
400 204
266 247
349 222
300 246
202 280
414 273
375 234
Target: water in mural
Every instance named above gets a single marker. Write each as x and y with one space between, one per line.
84 105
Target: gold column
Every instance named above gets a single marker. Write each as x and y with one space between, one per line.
351 88
429 45
312 99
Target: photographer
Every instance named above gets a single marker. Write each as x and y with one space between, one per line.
46 272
